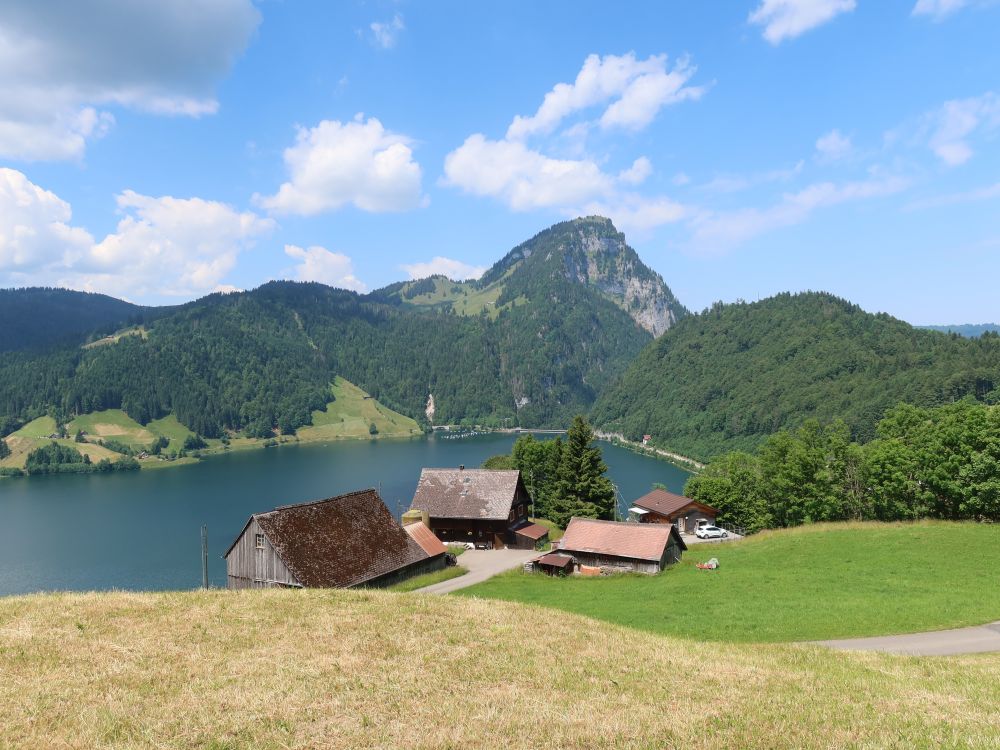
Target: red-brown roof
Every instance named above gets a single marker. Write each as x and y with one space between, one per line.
339 542
667 503
484 494
555 560
533 531
639 541
425 538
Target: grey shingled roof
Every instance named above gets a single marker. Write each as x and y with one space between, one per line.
339 542
482 494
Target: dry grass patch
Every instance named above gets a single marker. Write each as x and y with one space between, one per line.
306 669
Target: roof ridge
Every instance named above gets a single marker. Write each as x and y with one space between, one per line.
317 502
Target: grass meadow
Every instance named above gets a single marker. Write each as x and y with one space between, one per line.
347 669
810 583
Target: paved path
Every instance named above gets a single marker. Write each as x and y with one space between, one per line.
482 564
974 640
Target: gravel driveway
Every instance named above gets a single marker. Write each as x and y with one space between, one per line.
482 564
974 640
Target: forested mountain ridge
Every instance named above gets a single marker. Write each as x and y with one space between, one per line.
588 252
727 378
264 359
969 330
40 318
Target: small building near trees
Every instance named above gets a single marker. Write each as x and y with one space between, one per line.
661 507
484 506
615 547
341 542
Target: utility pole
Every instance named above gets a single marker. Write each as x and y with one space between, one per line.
204 556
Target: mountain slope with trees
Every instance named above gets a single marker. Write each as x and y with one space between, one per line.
264 360
731 376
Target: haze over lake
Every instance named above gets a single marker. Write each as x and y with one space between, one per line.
141 530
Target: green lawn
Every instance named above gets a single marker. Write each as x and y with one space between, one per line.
38 428
350 415
815 582
112 424
428 579
171 429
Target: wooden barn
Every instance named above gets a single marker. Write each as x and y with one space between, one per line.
344 541
611 546
660 506
486 507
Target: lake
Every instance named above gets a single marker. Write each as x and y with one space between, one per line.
142 530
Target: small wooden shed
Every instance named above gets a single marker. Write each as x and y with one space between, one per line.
622 547
344 541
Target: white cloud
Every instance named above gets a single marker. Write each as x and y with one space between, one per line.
639 88
951 126
523 178
441 266
938 10
969 196
357 163
787 19
833 146
61 62
385 34
723 230
319 264
161 247
34 226
636 174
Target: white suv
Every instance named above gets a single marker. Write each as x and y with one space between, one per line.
711 532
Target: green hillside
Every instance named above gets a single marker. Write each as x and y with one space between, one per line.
352 413
729 377
539 343
810 583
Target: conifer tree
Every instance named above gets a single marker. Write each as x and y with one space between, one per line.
582 489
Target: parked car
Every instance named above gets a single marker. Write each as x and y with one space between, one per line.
711 532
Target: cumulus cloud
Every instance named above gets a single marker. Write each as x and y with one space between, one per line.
951 127
357 163
385 33
61 62
833 146
522 177
316 263
787 19
636 174
441 266
636 89
723 230
162 246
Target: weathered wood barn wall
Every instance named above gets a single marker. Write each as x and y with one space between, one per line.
250 567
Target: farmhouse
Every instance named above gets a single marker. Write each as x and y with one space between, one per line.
486 507
660 506
611 546
344 541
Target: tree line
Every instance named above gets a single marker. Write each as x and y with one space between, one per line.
938 462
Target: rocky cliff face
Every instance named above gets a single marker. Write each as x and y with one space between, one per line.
592 252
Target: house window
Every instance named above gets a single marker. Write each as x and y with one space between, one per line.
260 541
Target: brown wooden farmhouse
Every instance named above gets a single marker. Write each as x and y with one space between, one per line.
482 506
349 540
611 546
660 506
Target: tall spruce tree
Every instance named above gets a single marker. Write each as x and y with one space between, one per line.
581 487
4 449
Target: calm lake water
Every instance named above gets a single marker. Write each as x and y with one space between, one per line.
142 530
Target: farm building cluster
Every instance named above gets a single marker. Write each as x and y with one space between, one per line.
354 540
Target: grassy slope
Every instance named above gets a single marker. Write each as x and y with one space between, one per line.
305 669
429 579
824 581
350 414
36 434
113 424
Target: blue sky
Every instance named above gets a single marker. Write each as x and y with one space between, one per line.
158 153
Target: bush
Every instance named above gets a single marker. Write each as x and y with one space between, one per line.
194 442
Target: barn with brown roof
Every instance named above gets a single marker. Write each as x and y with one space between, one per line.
612 546
486 507
344 541
660 506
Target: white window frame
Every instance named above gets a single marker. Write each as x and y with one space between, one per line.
259 541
